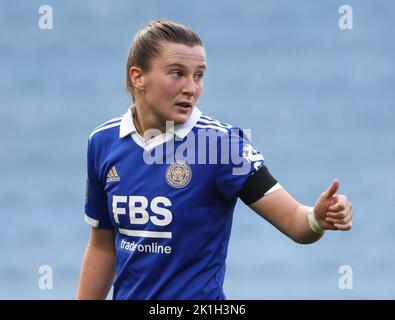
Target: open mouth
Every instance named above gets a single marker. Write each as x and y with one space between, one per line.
185 105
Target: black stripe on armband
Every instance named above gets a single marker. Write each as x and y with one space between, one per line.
257 185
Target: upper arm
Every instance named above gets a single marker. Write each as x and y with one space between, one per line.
103 239
240 165
96 206
279 208
97 271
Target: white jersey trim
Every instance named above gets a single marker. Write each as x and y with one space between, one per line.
127 128
181 130
111 120
211 126
209 120
105 128
146 234
93 222
153 143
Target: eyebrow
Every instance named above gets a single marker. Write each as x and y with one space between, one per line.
202 66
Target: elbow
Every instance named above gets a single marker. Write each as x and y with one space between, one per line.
304 241
309 239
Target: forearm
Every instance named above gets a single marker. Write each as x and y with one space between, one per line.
301 231
97 273
331 212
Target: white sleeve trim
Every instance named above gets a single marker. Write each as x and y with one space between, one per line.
93 222
276 187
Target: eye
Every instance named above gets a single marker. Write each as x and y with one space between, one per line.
198 76
176 74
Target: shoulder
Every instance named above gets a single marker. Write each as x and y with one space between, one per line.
104 135
108 128
222 129
207 122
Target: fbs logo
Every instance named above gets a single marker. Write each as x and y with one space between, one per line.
112 175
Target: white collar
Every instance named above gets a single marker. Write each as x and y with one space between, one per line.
127 126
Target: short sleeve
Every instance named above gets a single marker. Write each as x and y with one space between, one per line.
96 209
243 162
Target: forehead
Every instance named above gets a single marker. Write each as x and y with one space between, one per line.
176 53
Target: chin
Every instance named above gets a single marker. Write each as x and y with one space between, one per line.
181 121
181 118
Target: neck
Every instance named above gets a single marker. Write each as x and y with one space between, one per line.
144 121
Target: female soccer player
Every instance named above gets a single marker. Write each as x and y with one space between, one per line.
163 181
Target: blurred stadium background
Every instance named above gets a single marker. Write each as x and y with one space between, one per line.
319 101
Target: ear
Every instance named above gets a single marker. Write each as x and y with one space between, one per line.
137 78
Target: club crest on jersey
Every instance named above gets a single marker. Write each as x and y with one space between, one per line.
178 174
112 175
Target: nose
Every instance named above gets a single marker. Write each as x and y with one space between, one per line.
189 86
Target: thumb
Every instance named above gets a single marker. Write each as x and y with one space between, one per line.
331 191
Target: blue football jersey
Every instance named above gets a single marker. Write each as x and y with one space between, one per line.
170 202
